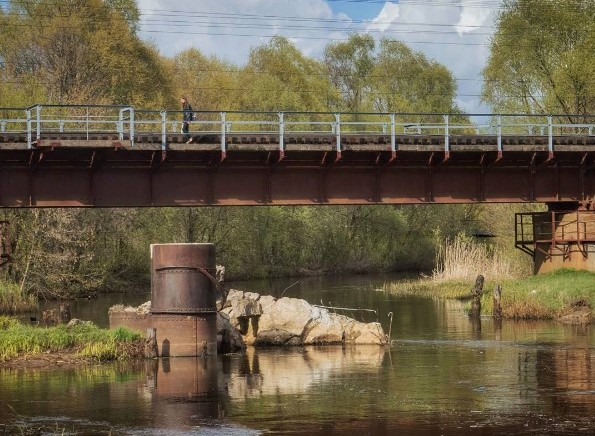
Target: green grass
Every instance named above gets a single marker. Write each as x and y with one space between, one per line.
13 300
544 296
86 340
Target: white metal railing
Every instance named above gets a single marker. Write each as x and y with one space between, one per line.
127 123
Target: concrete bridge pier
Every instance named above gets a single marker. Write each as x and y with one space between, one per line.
562 237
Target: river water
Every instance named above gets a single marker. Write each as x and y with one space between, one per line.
443 375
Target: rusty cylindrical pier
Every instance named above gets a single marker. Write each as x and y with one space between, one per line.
183 291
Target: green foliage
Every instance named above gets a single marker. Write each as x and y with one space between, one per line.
544 296
88 339
78 51
7 322
542 58
13 300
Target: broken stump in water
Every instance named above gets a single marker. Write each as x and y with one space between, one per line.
497 309
476 297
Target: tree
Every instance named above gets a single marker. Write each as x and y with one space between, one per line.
406 81
81 51
209 83
278 76
349 66
542 58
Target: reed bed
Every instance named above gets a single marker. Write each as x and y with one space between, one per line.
13 300
462 259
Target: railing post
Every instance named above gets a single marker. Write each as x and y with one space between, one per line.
550 135
223 132
338 131
499 121
38 116
29 133
281 133
120 125
131 126
446 136
393 134
163 130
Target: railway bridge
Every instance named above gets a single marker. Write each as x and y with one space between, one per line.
119 156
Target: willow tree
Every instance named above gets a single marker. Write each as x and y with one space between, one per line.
542 58
278 76
350 64
208 82
80 51
406 81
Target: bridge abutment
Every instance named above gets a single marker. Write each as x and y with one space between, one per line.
562 237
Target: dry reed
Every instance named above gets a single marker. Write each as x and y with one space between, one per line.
464 259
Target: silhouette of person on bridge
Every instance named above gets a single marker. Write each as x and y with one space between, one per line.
186 119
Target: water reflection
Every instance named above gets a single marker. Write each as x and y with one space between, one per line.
444 375
295 371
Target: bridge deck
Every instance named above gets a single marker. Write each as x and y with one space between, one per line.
108 169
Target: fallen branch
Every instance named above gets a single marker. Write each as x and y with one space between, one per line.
345 308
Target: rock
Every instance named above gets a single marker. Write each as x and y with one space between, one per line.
246 307
328 328
266 301
76 322
229 339
285 319
143 309
324 328
580 316
276 337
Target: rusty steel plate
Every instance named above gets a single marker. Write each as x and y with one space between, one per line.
185 335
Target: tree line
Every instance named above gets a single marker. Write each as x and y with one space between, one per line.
81 51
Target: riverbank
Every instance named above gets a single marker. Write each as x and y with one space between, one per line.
76 343
545 296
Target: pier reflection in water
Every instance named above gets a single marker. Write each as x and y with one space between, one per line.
444 375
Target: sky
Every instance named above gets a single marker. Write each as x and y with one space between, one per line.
455 33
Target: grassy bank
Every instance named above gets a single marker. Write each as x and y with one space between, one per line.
546 296
13 300
86 341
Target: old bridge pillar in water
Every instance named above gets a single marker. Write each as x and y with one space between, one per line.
183 315
562 237
183 295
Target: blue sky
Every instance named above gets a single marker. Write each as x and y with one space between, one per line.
357 10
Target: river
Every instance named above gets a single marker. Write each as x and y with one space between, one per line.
443 375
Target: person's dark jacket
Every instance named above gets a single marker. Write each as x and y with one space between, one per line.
187 117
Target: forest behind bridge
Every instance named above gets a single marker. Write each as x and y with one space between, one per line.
90 52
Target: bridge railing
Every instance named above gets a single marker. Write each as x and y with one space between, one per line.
127 123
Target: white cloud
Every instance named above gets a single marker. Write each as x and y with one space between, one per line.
442 33
387 16
228 29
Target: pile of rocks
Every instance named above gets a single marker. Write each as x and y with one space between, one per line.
267 321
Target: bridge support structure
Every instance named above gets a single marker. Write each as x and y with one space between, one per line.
562 237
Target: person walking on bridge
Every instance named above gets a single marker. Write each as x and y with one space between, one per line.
186 119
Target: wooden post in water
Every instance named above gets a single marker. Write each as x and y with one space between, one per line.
497 310
151 343
476 294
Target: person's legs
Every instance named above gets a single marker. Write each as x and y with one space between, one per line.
185 129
